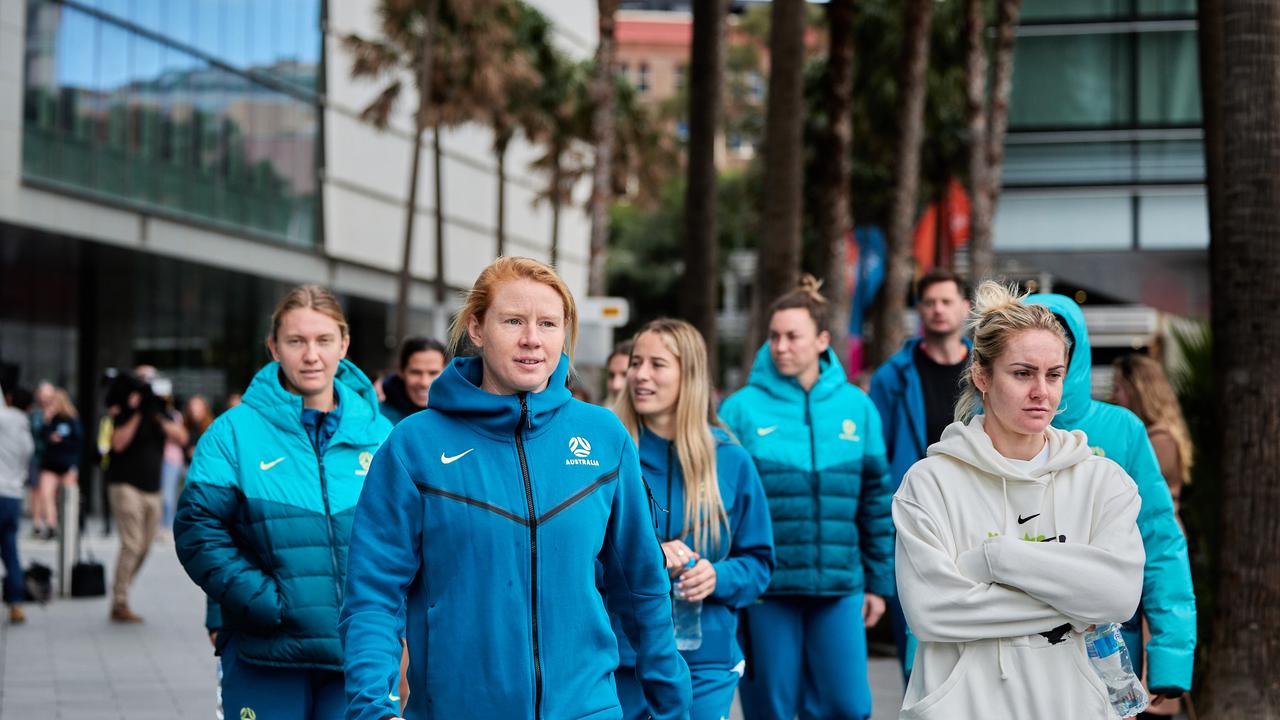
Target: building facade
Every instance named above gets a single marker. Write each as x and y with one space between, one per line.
168 168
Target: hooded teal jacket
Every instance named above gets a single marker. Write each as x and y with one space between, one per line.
481 524
821 458
1168 599
264 522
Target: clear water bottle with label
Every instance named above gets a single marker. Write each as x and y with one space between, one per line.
1110 659
688 619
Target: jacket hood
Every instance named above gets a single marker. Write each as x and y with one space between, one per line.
457 392
356 396
1078 385
970 444
765 375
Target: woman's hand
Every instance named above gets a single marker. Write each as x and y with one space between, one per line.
697 582
872 609
677 555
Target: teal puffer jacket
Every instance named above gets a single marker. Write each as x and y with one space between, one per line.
1168 597
821 458
264 522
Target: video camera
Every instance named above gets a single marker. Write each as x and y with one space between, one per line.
121 384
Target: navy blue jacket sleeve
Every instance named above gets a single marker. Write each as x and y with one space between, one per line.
639 593
745 573
384 557
874 518
209 506
212 615
884 389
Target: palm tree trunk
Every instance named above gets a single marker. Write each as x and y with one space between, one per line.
438 174
602 127
419 126
1244 266
998 123
1213 78
888 320
556 181
500 155
706 78
980 257
835 163
779 264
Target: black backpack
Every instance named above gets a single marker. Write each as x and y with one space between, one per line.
39 582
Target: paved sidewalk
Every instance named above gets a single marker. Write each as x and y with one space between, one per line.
69 663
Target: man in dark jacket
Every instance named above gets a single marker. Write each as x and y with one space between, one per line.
421 362
916 391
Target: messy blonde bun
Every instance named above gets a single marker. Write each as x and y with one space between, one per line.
806 295
998 315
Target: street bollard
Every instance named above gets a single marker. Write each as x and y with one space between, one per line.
69 538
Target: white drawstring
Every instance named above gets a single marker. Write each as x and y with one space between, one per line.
1004 528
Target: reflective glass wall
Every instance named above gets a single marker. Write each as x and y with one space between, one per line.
206 110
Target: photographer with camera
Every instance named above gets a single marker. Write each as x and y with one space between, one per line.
141 428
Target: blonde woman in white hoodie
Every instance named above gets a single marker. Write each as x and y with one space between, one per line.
1013 538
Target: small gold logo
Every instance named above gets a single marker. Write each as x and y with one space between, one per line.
366 459
1098 451
247 713
849 431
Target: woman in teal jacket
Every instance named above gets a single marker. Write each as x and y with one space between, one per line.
482 523
263 524
714 524
1168 597
817 443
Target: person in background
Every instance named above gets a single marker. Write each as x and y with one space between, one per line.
716 534
483 522
1168 596
197 417
422 360
617 366
140 429
817 443
44 510
16 449
63 443
233 399
1142 387
915 392
265 522
175 457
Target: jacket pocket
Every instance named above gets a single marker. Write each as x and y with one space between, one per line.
1098 695
921 709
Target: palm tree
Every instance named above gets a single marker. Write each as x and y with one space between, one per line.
408 44
705 80
561 123
1244 267
834 222
779 259
602 135
887 320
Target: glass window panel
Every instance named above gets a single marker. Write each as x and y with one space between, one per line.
1168 78
149 15
1071 81
1171 161
1067 163
178 21
1050 10
263 34
1167 8
235 33
1173 219
121 9
208 28
77 38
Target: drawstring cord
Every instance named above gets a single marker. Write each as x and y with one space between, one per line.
1004 528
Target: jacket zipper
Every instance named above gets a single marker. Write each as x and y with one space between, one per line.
328 522
813 476
668 538
533 557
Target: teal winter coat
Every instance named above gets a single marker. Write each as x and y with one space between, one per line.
1168 599
264 522
821 459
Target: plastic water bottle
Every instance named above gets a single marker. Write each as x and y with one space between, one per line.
688 619
1110 659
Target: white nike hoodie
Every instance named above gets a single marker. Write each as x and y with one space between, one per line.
990 557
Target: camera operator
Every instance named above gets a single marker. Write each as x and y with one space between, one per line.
141 428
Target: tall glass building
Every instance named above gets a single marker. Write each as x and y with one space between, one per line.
1104 155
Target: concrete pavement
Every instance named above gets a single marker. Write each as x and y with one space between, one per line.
69 663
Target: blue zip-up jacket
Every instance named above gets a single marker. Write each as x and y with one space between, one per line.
743 561
482 519
822 462
263 524
899 398
1168 598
